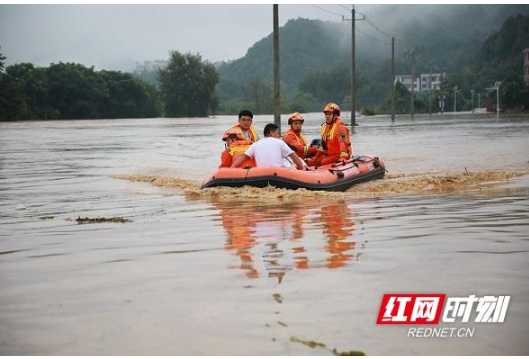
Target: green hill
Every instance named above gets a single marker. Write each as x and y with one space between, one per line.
312 51
305 45
501 54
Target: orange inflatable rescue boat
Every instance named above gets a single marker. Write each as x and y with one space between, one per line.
336 177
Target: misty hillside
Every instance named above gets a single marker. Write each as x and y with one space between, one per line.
447 36
306 45
501 55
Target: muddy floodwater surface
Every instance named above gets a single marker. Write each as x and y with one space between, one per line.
108 245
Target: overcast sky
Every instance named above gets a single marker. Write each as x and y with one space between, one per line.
116 36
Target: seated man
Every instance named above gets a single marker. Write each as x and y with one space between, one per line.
269 151
245 127
236 145
335 138
295 139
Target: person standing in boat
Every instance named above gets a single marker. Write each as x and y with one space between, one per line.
245 127
270 151
335 137
295 139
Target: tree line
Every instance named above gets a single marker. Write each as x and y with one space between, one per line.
74 91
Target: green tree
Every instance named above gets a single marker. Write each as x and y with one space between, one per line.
129 97
150 77
2 58
230 89
260 94
12 100
512 92
187 86
402 101
303 102
76 91
328 85
33 85
502 51
73 91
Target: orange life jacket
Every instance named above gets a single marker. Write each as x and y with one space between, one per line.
236 149
336 139
299 143
253 135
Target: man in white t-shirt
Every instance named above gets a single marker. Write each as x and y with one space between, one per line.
270 151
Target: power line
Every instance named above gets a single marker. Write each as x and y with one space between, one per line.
373 24
369 21
334 13
370 37
327 11
346 8
377 28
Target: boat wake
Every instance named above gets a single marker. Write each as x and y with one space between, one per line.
413 183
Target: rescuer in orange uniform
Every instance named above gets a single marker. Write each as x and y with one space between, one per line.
295 139
245 127
335 137
236 145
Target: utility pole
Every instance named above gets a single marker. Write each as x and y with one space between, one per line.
393 93
479 100
353 64
442 92
455 98
498 100
472 106
497 86
412 84
353 52
430 93
277 100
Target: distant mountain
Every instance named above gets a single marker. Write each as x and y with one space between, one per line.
446 35
305 46
501 54
500 58
443 37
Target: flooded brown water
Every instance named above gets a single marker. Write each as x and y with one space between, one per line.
255 271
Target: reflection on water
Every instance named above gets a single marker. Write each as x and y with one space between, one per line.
277 236
338 227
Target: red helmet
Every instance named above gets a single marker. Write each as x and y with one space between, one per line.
296 116
332 107
233 134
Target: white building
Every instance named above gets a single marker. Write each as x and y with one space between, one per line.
150 66
430 83
406 81
422 83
